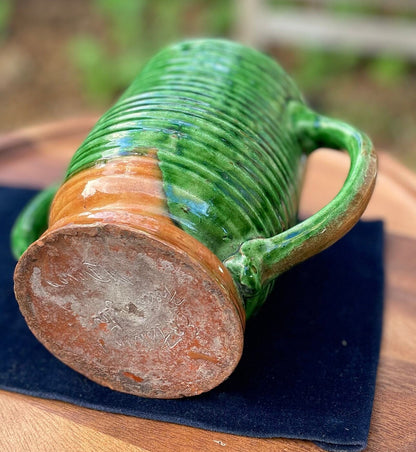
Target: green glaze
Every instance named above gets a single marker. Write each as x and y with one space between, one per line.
32 221
260 260
232 133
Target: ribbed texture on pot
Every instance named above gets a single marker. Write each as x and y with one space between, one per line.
215 113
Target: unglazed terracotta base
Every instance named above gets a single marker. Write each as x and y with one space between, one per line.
132 302
129 312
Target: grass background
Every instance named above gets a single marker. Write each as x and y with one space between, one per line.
61 59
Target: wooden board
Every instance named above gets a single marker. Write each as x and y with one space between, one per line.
37 156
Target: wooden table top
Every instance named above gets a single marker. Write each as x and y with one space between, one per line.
37 156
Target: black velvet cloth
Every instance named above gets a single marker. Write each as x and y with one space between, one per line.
309 365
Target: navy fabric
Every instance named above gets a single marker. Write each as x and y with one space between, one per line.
309 366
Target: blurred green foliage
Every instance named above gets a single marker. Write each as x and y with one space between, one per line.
133 31
343 83
401 9
5 15
315 68
389 70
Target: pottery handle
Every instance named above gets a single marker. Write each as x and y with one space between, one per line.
260 260
32 221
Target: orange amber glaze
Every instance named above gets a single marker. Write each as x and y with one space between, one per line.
129 191
132 184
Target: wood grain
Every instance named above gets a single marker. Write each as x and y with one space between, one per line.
393 200
28 423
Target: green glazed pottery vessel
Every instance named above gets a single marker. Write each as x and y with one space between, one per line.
177 213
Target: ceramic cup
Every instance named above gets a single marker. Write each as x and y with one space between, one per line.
176 214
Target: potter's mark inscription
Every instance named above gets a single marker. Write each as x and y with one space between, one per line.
154 320
89 271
